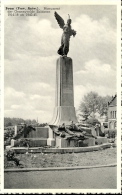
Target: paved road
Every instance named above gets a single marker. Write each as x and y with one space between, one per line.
96 178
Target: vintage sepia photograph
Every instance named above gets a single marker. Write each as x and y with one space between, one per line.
60 106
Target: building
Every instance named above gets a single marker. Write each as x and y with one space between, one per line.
112 113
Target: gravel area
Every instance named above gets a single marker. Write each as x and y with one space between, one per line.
40 160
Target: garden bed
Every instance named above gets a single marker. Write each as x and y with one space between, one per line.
42 160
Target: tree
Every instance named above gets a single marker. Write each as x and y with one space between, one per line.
8 124
15 121
92 102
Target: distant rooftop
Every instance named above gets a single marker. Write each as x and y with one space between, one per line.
113 101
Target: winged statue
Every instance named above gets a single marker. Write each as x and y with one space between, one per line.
67 33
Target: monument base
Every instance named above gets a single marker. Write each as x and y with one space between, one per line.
63 114
50 142
42 136
64 143
101 140
88 142
34 142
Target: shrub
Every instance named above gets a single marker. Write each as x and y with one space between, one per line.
8 135
25 142
10 155
19 133
42 124
28 129
24 130
92 121
111 133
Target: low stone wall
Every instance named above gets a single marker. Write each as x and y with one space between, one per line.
42 136
61 150
65 143
34 142
87 142
101 140
15 143
39 133
51 142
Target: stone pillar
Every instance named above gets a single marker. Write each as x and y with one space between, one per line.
64 110
15 130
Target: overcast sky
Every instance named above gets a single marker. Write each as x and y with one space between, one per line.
31 45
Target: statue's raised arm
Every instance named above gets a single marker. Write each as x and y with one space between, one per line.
67 33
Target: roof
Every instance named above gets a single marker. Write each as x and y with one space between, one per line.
113 101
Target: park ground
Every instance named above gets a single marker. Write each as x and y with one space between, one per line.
43 160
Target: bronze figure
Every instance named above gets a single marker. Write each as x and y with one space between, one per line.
67 33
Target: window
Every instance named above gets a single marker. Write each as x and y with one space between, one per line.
115 114
111 115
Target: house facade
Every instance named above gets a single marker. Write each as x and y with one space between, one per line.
112 113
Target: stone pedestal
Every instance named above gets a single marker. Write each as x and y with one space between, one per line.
50 140
38 142
40 132
64 110
34 142
64 143
42 136
87 142
61 143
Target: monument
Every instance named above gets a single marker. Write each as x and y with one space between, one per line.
62 132
64 110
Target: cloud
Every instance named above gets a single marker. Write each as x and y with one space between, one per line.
32 76
11 97
18 104
81 90
31 37
42 102
94 32
94 39
97 74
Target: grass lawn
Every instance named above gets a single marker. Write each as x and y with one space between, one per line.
40 160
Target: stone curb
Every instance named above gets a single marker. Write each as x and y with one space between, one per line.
58 168
62 150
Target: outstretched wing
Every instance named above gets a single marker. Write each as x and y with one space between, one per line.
59 20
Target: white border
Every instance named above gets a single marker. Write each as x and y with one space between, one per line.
97 2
